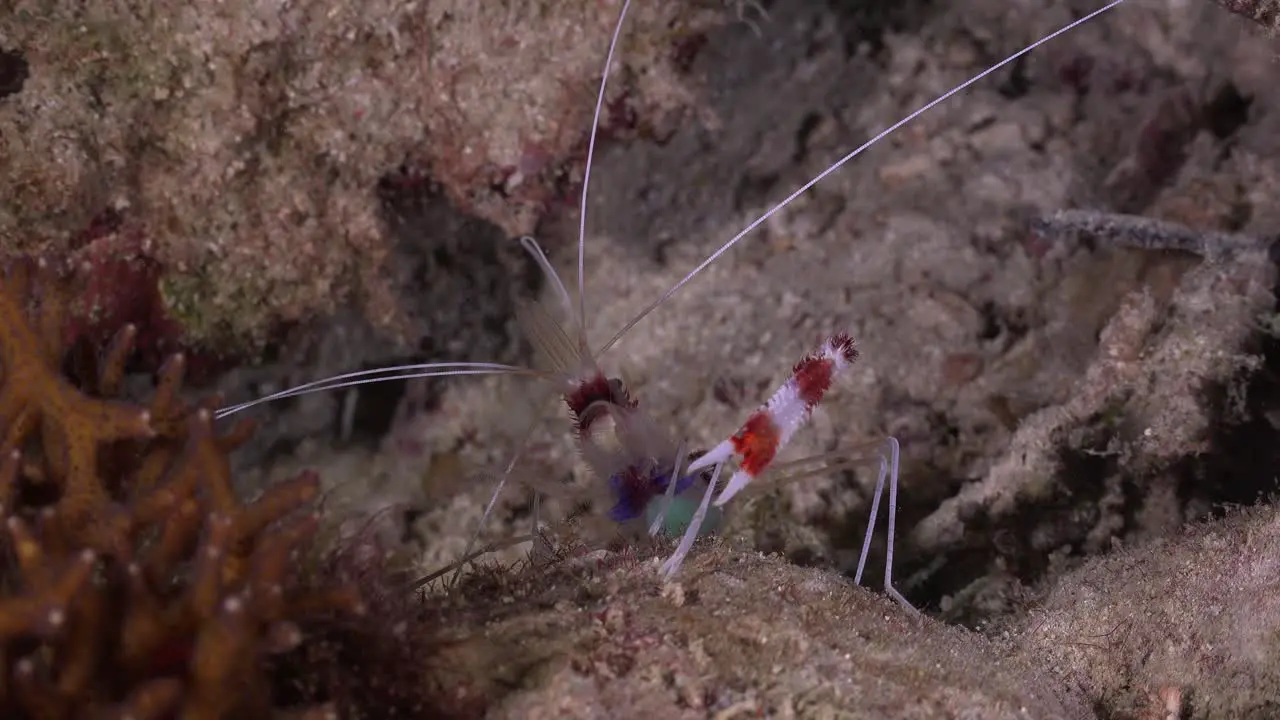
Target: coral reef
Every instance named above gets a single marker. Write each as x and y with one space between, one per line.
738 635
1194 614
1263 12
245 144
139 584
1054 402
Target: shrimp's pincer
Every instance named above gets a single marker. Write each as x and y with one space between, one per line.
772 426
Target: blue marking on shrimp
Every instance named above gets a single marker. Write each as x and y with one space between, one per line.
635 489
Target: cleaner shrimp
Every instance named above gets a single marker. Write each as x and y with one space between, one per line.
647 471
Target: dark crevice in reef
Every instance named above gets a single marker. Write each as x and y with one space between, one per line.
454 281
1017 546
868 21
1243 461
1022 544
14 72
457 278
1015 82
1227 111
1239 468
374 411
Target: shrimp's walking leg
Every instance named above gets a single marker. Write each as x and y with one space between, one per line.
673 563
493 499
681 455
888 468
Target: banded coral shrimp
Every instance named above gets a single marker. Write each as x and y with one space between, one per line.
691 338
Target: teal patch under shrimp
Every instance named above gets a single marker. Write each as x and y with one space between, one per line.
681 514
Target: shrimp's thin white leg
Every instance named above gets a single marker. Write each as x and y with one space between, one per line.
493 499
681 454
888 468
542 550
674 562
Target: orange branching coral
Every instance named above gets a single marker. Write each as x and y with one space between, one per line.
137 583
37 402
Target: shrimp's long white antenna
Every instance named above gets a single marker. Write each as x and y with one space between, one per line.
421 370
532 247
586 179
840 163
383 374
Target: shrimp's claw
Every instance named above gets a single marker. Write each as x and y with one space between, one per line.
718 454
772 426
737 482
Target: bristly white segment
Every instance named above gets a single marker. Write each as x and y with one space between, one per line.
841 162
788 406
586 178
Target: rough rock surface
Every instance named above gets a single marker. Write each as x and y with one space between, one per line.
1055 400
245 142
738 635
1192 616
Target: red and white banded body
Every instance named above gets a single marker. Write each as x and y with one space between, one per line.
772 426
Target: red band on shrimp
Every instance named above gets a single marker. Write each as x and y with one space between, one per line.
756 443
812 377
813 374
